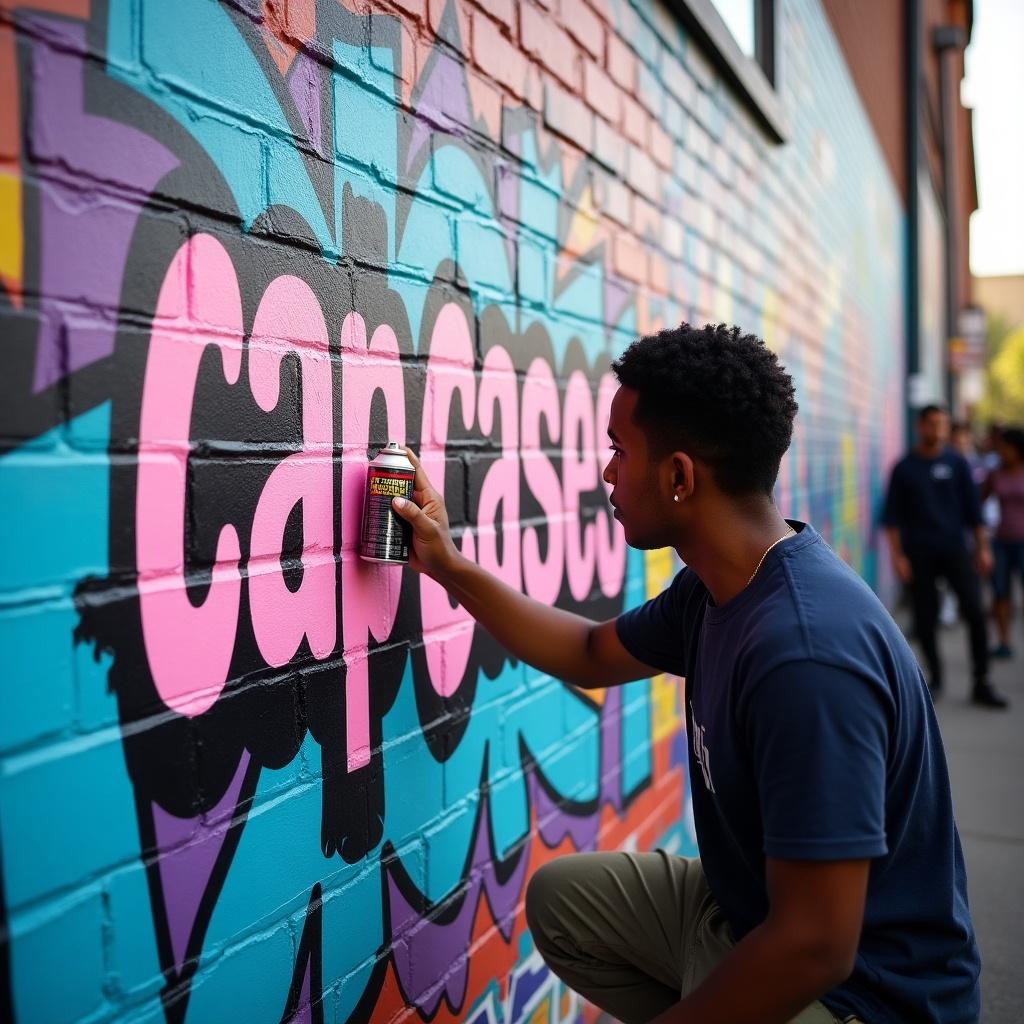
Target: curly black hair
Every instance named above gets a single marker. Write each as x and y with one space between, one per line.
718 394
1014 437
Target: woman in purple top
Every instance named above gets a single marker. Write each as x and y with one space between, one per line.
1006 485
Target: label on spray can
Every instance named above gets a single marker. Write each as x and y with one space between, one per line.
386 536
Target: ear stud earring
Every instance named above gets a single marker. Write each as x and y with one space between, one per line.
675 497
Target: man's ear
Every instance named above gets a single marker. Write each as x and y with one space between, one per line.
683 476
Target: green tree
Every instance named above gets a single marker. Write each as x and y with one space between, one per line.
1003 400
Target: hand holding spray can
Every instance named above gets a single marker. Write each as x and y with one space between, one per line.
386 537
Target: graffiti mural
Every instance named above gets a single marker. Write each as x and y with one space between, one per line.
243 774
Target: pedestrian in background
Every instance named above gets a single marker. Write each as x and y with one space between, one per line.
931 505
1005 484
961 438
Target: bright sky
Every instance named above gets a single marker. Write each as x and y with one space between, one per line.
994 86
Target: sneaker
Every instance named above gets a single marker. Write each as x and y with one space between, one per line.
1001 651
986 696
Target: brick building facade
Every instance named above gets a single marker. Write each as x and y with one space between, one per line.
244 776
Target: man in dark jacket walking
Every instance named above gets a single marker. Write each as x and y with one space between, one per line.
931 507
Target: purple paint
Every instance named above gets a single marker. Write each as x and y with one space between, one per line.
192 846
83 239
443 102
501 897
678 750
304 1014
617 297
611 750
527 985
553 824
508 208
508 193
431 951
434 951
304 86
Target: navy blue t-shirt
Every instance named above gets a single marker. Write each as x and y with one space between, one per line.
932 502
812 737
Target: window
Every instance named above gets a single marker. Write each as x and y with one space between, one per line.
739 37
738 16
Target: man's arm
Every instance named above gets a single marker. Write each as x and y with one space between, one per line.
565 645
892 520
983 558
805 946
975 520
900 562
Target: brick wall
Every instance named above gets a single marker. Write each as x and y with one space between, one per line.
243 775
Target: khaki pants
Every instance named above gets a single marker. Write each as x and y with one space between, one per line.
632 932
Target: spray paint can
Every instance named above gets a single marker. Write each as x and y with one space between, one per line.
387 537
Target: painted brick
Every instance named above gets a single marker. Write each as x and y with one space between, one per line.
650 91
414 8
503 10
658 274
584 26
567 115
698 141
686 168
472 235
487 105
36 708
635 122
661 146
532 279
641 173
615 200
646 219
630 257
9 88
698 64
672 242
609 147
600 92
667 26
550 45
454 31
621 63
536 183
497 56
69 932
679 82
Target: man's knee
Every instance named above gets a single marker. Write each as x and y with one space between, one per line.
539 891
544 893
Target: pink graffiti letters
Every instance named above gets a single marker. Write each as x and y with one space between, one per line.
188 676
189 645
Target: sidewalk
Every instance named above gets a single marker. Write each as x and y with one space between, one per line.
985 750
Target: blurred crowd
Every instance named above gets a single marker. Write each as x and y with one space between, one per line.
996 461
954 518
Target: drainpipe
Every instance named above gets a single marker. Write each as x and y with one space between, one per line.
913 279
949 40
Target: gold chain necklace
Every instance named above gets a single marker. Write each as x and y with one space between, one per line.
788 533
